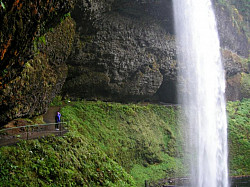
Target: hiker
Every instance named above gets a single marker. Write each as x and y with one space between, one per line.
58 119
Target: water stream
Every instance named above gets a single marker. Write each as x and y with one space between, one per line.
201 87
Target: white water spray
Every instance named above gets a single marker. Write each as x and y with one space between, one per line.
202 84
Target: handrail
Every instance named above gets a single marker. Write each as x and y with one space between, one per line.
9 136
35 125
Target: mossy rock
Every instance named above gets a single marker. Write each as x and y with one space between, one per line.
245 85
30 93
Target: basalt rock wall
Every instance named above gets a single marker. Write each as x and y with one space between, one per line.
126 51
233 27
36 39
114 50
123 51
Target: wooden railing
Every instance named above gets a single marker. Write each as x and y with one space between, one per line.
10 136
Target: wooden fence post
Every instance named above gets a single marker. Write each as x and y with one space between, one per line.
60 128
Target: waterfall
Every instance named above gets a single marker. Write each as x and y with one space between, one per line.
202 86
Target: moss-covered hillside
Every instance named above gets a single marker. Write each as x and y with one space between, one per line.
239 141
108 144
112 144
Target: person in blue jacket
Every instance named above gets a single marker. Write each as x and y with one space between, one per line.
57 119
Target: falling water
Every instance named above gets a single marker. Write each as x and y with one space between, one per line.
202 87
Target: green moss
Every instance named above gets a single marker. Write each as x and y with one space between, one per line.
239 145
57 101
114 144
133 135
245 63
245 85
68 161
107 143
38 120
170 167
65 16
239 12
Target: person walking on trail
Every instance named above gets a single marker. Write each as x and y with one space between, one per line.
58 119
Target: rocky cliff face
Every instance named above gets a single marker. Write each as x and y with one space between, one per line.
114 50
126 53
125 50
233 27
42 77
32 65
232 34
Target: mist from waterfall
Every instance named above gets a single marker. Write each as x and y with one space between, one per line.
202 86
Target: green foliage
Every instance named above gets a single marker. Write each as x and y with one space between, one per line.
239 145
4 72
243 6
2 4
133 135
222 2
169 167
39 41
57 101
106 144
67 161
67 15
239 12
42 39
245 84
112 144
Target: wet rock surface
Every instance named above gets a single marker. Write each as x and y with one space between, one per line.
125 55
41 78
113 50
232 35
126 51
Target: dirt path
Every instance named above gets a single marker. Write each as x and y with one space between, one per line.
11 137
49 117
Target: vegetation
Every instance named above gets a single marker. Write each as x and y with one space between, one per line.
239 145
66 161
57 101
245 84
142 139
239 11
243 6
2 5
112 144
107 144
